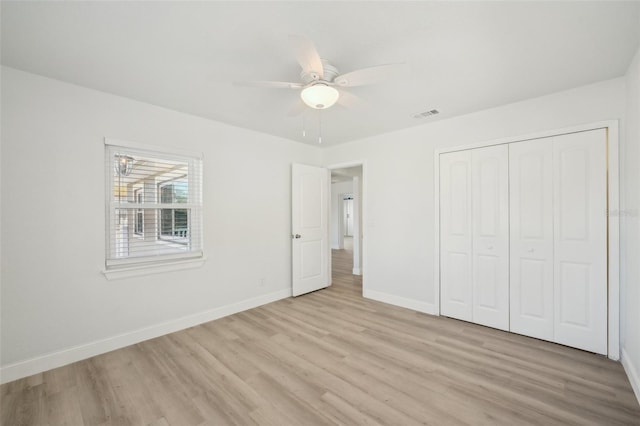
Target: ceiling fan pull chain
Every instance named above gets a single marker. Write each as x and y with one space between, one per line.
304 131
319 126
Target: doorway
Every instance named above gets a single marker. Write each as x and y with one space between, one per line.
346 226
347 215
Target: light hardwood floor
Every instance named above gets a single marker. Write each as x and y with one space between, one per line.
330 357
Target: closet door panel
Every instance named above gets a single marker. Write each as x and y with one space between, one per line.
580 244
455 235
490 236
534 298
531 238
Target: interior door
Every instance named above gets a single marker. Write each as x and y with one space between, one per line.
309 228
580 243
348 216
455 235
490 236
531 238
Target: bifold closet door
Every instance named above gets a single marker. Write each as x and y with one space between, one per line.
490 236
558 237
531 237
474 250
580 240
456 235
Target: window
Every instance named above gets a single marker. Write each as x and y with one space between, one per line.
154 208
173 222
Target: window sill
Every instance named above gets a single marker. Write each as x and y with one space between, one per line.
141 270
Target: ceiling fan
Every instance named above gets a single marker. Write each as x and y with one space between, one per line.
321 85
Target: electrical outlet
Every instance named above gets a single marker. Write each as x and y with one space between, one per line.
261 282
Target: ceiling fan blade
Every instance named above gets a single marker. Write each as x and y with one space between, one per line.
370 75
269 84
350 100
297 109
307 55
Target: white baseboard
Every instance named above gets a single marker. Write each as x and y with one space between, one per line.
356 271
632 373
57 359
427 308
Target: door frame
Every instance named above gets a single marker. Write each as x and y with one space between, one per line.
363 204
613 220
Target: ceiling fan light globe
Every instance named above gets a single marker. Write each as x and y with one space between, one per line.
320 96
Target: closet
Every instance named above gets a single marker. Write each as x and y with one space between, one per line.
475 236
523 237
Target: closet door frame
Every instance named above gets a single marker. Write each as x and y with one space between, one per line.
613 222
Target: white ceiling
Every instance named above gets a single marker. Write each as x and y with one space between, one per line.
461 56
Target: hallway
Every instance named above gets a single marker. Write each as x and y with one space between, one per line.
341 270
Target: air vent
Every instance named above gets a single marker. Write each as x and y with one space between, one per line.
426 114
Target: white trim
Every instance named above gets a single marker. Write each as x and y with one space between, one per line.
357 225
436 234
136 206
166 266
49 361
425 307
153 261
632 373
614 223
158 149
328 231
363 222
536 135
356 271
613 192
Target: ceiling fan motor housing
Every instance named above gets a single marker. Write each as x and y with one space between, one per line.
329 74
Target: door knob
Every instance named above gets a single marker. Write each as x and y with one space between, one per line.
490 248
297 236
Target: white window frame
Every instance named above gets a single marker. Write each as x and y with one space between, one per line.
128 267
137 221
159 187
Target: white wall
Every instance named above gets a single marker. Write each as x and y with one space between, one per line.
54 296
400 253
337 190
630 228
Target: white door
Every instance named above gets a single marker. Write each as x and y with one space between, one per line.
348 216
455 235
309 228
580 243
490 236
531 237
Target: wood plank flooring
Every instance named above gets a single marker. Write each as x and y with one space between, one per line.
327 358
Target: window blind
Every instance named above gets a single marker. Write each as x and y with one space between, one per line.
154 208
